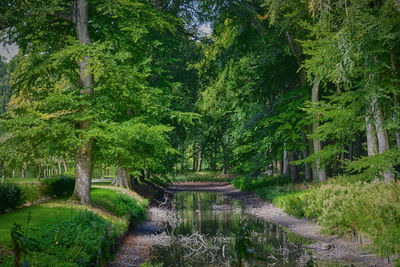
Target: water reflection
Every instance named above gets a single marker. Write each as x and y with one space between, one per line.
214 231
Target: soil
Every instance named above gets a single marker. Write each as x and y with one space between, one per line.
134 250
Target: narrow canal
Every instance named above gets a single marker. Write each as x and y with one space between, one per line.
209 229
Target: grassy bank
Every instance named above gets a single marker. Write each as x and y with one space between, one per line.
60 233
367 212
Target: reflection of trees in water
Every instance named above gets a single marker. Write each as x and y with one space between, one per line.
239 244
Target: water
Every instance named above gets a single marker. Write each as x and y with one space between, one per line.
214 231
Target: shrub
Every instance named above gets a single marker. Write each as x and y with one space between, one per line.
371 210
292 203
126 206
119 204
249 184
269 193
30 192
86 239
10 197
58 186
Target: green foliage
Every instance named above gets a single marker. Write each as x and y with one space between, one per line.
269 193
10 197
207 176
93 245
30 192
57 186
249 184
126 206
368 210
119 204
291 202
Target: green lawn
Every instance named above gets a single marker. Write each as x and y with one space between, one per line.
42 217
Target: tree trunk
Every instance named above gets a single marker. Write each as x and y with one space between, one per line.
285 170
194 158
307 169
122 178
23 173
13 173
3 172
396 101
200 159
84 153
279 167
59 167
183 156
65 166
214 157
382 134
294 172
317 145
225 152
39 173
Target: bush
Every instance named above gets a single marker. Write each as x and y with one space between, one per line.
119 204
370 210
30 192
126 206
86 239
249 184
292 203
269 193
10 197
58 186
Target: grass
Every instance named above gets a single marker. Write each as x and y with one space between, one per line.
42 216
113 206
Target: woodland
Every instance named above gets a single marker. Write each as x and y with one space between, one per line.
297 101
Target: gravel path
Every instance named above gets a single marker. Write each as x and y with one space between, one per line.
134 249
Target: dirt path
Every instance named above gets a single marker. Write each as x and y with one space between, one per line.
134 249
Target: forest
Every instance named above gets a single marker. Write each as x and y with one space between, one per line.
109 106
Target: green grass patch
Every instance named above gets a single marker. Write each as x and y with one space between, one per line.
42 217
66 234
119 204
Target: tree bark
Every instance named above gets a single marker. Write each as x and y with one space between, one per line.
194 157
396 101
307 169
13 173
23 173
225 152
39 173
279 167
65 166
382 134
285 170
294 172
59 167
317 145
200 159
122 178
84 153
183 156
3 172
